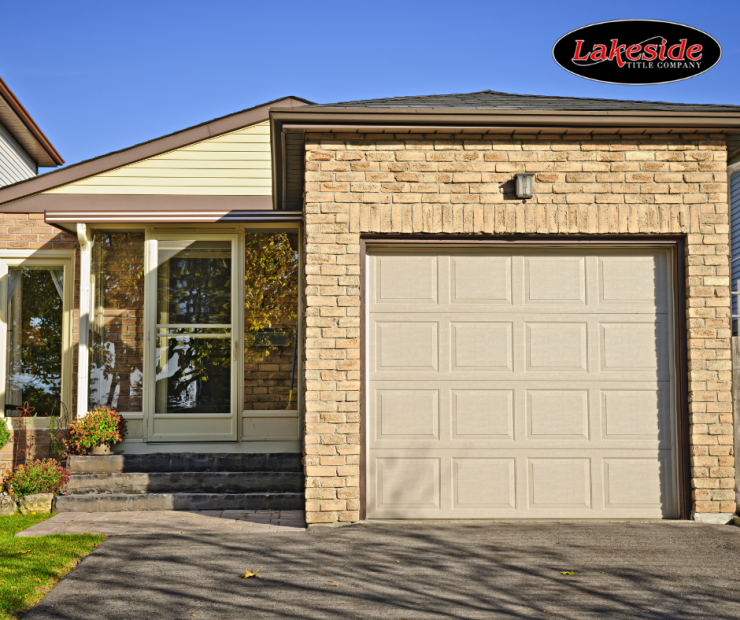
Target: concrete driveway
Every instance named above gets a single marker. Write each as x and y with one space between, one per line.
413 570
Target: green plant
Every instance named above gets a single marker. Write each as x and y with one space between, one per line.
39 476
32 565
4 433
101 425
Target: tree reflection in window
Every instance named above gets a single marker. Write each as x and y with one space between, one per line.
34 339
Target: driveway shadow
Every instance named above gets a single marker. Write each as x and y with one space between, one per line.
413 570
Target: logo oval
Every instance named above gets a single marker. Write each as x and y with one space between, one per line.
637 51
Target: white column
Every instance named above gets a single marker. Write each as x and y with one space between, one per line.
85 305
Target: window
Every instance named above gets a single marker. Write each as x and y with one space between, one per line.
117 321
36 334
271 313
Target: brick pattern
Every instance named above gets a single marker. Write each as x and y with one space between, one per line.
36 443
21 231
464 185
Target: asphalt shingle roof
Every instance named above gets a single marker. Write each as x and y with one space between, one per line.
494 100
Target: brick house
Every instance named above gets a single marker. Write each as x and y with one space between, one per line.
462 306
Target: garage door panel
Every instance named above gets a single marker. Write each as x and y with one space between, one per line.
636 280
481 346
476 279
479 483
556 347
406 279
629 345
482 414
555 279
637 414
408 483
557 482
407 346
536 384
408 414
637 482
560 413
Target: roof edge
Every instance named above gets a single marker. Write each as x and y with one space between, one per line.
316 111
143 150
21 112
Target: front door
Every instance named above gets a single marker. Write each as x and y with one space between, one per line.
192 344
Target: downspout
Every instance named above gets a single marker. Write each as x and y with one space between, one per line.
83 356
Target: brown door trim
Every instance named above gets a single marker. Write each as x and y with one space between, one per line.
677 244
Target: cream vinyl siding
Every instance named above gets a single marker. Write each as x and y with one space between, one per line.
232 164
520 384
15 164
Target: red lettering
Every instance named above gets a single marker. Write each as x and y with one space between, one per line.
694 49
616 52
651 52
631 50
599 52
662 49
577 55
679 55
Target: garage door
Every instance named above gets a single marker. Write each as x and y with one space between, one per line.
526 384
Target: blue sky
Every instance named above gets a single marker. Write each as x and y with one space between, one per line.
101 76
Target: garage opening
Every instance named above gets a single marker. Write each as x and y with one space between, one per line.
527 383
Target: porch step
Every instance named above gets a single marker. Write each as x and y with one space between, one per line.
184 481
179 501
187 482
184 461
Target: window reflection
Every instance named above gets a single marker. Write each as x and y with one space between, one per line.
34 339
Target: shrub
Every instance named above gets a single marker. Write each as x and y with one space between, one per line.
39 476
4 433
102 425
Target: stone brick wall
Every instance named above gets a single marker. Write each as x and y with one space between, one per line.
33 444
21 231
417 184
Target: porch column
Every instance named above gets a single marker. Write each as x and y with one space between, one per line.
83 355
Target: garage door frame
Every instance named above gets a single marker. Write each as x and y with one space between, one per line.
674 243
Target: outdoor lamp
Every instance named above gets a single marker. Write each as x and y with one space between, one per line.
523 182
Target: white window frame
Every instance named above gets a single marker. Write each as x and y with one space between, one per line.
243 418
40 258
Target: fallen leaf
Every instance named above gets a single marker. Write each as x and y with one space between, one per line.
252 573
398 562
567 572
29 551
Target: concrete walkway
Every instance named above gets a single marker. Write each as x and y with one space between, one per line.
170 522
416 571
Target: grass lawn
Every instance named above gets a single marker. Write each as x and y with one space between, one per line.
29 567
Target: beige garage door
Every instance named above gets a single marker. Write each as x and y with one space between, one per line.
526 384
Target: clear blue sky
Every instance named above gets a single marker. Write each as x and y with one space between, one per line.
101 76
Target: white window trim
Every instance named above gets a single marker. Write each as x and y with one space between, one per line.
40 258
85 232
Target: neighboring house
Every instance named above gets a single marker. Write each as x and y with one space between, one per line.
371 285
23 146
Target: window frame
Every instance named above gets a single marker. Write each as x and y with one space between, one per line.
41 258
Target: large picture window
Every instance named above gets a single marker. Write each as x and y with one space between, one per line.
35 335
117 321
34 339
271 269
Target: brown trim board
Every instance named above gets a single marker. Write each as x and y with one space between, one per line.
363 386
24 129
674 242
135 153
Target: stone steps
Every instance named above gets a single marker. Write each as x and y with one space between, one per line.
179 501
184 481
183 461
